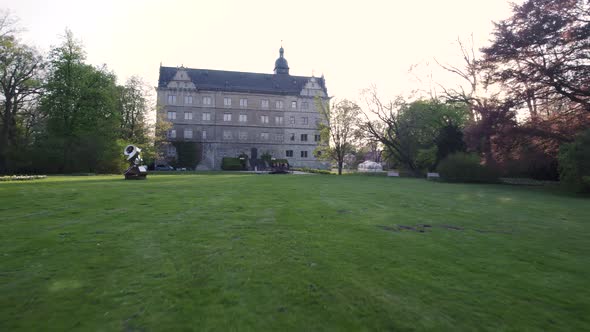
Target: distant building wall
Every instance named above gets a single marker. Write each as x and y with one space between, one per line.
215 108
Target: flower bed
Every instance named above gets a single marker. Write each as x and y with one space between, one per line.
22 177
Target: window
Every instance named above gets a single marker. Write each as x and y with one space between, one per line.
188 115
188 133
264 103
171 99
243 135
303 154
206 100
170 150
172 133
204 134
264 136
206 116
279 120
226 101
289 153
243 117
293 104
303 137
304 120
226 116
316 138
171 115
292 120
279 104
244 103
292 138
264 118
304 105
227 134
279 137
188 100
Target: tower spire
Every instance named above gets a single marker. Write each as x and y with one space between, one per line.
281 65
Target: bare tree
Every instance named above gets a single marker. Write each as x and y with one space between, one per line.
338 131
8 25
382 123
471 73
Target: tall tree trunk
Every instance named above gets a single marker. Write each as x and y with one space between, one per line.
5 135
340 167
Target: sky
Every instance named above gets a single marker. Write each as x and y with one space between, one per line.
354 44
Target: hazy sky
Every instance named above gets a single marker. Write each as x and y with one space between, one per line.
353 43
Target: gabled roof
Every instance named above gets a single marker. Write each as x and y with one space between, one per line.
234 81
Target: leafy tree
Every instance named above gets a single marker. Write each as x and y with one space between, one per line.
449 140
338 131
82 119
574 163
21 70
408 131
134 108
188 154
160 137
495 120
541 52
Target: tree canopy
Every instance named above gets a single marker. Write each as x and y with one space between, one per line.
542 53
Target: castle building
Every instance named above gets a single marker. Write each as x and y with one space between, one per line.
230 113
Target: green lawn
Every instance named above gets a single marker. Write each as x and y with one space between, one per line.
261 252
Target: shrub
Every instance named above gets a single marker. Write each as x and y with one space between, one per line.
231 164
574 163
530 162
463 167
266 157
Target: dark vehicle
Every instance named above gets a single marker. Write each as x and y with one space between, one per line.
164 168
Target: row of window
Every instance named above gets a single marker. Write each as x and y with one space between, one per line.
227 101
264 119
242 135
303 138
171 152
289 153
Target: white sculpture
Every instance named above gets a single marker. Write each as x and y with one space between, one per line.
370 166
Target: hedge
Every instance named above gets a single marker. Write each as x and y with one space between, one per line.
311 170
231 164
463 167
